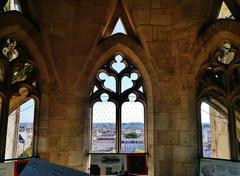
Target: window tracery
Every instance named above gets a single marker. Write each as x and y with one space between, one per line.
118 100
218 89
18 86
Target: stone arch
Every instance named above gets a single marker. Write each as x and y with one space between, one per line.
206 45
209 40
144 63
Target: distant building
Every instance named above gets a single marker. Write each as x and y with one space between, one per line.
106 143
206 139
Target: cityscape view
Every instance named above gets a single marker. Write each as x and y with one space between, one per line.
20 131
215 135
25 140
104 137
206 139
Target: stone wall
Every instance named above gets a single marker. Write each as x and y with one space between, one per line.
69 49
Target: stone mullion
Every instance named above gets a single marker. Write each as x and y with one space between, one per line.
4 122
232 133
118 112
5 109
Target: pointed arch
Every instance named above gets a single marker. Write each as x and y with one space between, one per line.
120 12
217 82
124 44
209 39
16 24
145 64
20 81
214 11
231 5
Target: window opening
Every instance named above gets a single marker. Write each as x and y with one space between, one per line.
218 93
119 28
132 126
118 65
118 108
215 134
225 54
12 5
225 13
109 82
19 142
95 89
19 85
141 89
104 126
127 82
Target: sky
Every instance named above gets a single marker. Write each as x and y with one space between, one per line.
119 28
27 111
205 116
106 111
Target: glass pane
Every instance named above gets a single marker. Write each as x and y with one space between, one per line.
127 82
95 89
21 72
19 142
119 65
225 12
10 51
141 89
215 134
109 81
132 139
12 5
225 55
34 84
104 126
119 28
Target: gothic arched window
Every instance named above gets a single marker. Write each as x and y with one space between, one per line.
118 108
19 100
219 97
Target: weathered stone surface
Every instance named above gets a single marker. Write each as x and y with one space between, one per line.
166 48
168 137
184 153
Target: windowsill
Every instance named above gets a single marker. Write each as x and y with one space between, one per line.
16 159
220 159
92 153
